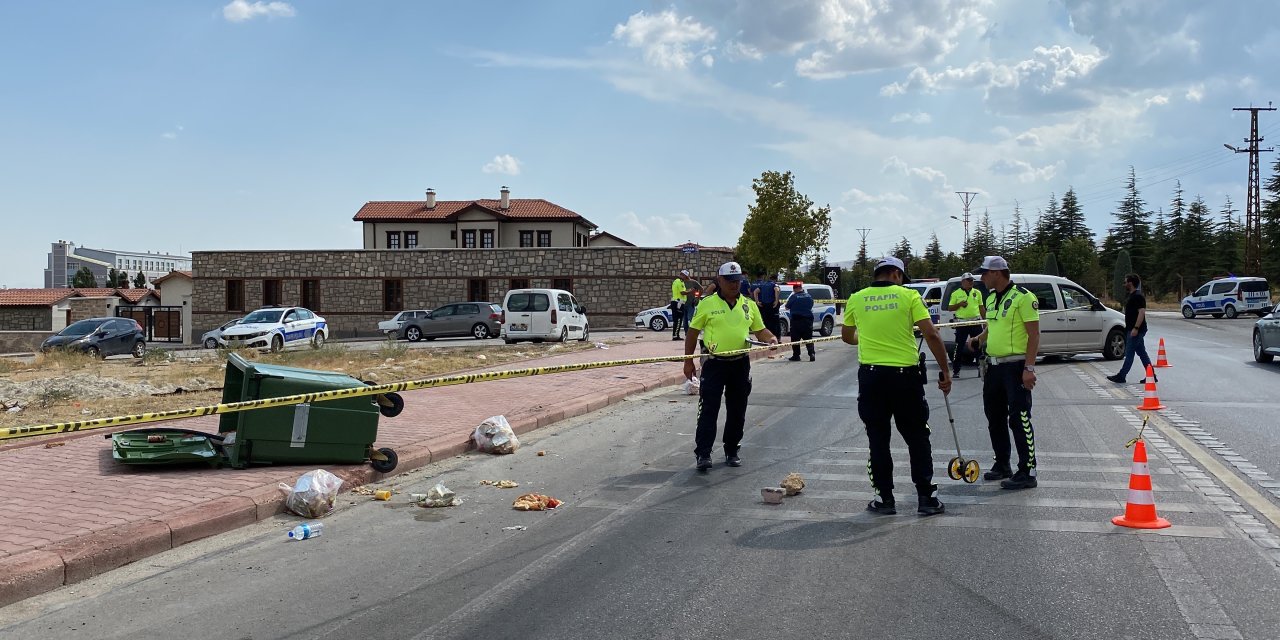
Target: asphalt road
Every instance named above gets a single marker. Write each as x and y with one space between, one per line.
646 547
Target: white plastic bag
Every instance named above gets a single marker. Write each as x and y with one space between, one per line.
692 386
313 495
494 435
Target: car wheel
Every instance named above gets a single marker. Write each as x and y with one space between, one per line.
480 331
1258 353
784 328
1231 312
139 348
564 335
211 344
1188 313
317 340
1216 315
658 323
586 333
277 344
1113 348
413 334
828 326
94 352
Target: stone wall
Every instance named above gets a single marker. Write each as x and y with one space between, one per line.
22 341
100 307
26 318
614 283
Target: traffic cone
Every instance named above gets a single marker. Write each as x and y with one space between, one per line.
1140 510
1162 361
1152 401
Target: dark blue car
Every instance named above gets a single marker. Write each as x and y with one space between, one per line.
100 337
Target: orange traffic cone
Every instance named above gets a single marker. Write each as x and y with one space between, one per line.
1152 401
1140 510
1162 361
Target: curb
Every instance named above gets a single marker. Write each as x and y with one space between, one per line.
38 571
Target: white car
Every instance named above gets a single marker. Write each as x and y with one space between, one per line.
276 328
931 293
657 319
213 339
543 314
824 315
1230 297
392 327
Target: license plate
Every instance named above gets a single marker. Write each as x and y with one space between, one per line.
519 327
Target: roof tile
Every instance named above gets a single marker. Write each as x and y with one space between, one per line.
520 209
33 297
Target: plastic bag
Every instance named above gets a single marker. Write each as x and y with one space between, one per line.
437 496
313 495
692 386
494 435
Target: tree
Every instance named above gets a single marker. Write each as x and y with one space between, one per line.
1053 234
140 280
113 277
1073 223
1079 262
933 252
1229 240
1123 267
782 227
1197 242
84 279
1270 241
1131 231
122 280
1050 266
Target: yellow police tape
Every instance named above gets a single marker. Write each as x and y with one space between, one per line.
9 433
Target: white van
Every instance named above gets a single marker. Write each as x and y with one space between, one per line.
1072 320
824 315
1230 297
543 314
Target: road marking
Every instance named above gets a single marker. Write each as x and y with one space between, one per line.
1011 499
1167 485
1199 607
1047 468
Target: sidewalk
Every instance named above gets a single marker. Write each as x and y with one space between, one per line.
71 512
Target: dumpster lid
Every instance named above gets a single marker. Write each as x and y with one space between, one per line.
165 446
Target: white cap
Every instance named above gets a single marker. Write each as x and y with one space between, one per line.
992 263
966 276
730 271
684 272
890 261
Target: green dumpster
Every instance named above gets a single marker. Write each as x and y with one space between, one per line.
165 447
335 431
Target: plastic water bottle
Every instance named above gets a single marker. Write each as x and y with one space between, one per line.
306 530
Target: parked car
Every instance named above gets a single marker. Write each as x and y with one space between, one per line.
824 315
213 339
931 293
543 314
1081 323
657 319
479 320
100 337
1229 297
1266 336
275 328
392 327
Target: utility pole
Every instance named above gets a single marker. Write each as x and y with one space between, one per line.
967 198
1253 205
862 248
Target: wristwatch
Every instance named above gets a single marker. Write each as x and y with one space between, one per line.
1031 369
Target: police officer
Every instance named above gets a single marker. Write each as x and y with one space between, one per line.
723 321
766 294
678 288
1012 337
891 377
967 303
800 310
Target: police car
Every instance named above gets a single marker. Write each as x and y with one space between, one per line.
657 319
931 293
1229 297
824 315
275 328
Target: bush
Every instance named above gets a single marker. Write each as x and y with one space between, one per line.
391 349
154 356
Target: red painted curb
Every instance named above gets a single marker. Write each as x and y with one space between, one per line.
30 573
211 518
100 552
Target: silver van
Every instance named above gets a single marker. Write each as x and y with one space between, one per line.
536 315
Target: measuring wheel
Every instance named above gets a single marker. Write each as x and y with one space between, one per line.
955 469
971 471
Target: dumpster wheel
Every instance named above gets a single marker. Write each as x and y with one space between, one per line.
390 404
383 460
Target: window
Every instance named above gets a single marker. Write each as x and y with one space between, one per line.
562 283
544 238
526 238
1044 292
468 310
271 293
411 239
235 295
1075 297
393 239
1202 291
519 283
303 314
478 288
468 238
1223 287
564 302
528 302
291 316
392 295
453 235
311 294
486 239
444 312
1254 285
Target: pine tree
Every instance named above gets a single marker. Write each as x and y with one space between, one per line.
1123 267
1131 230
140 280
1197 241
1050 266
1073 222
1158 278
1015 240
1270 240
1229 240
113 277
84 279
1053 231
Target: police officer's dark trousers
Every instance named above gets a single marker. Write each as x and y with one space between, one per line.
963 353
769 315
677 318
895 393
730 377
801 329
1008 408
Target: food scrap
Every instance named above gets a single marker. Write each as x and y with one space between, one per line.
536 502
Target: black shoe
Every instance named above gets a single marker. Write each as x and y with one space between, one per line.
998 472
794 358
813 358
675 337
733 461
1116 379
704 463
882 508
1144 380
1020 480
930 505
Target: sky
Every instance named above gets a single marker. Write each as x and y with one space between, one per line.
192 125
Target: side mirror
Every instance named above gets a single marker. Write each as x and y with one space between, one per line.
581 309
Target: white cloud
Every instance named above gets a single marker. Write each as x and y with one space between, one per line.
242 10
915 117
1028 139
857 196
1157 100
663 231
1024 170
668 41
172 135
1195 93
707 60
505 164
736 51
781 84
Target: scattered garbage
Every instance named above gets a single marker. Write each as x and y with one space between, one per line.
382 494
535 502
50 445
772 495
542 452
793 484
494 435
437 496
692 386
501 484
307 530
482 357
364 491
601 345
313 495
518 527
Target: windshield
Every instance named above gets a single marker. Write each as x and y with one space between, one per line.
263 316
82 328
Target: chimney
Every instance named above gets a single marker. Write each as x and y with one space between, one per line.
506 198
431 198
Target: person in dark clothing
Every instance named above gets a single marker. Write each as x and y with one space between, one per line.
1135 327
800 306
767 298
